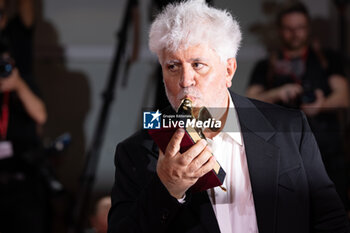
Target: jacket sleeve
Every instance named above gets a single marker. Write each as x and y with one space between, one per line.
326 209
140 202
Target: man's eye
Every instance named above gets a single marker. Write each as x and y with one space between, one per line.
172 67
197 65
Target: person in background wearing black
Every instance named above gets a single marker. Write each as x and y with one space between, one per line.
301 75
23 199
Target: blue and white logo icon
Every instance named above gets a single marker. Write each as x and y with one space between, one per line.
151 120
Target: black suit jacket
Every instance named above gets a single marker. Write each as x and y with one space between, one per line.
292 192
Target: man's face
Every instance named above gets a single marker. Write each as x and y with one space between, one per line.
197 73
294 30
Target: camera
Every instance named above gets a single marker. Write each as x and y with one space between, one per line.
6 68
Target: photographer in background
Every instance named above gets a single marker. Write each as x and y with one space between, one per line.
301 75
23 194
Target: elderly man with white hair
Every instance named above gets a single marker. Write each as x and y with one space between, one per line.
275 180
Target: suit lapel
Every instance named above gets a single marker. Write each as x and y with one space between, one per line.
263 165
262 159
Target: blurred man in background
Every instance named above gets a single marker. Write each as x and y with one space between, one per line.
302 75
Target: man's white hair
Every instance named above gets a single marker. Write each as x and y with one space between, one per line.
193 22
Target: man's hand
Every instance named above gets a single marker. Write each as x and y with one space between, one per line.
288 92
285 93
11 83
178 172
314 108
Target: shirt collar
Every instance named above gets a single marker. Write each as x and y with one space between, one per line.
232 127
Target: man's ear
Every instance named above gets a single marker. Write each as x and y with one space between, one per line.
231 66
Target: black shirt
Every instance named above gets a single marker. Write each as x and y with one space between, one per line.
315 75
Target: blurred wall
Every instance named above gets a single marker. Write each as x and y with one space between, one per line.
75 43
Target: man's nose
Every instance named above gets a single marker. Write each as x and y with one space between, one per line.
187 77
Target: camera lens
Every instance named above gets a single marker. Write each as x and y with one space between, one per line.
5 68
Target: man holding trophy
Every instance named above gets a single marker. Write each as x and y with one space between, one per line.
275 180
